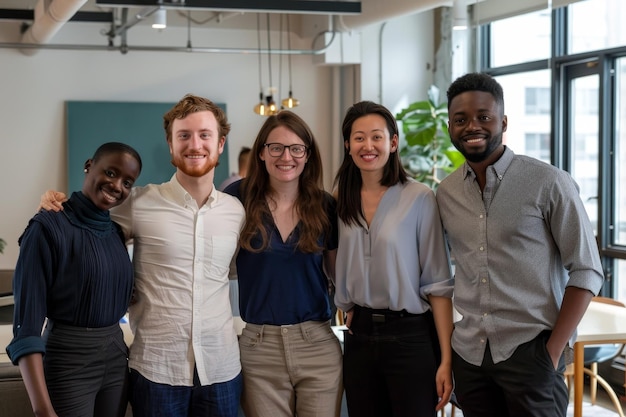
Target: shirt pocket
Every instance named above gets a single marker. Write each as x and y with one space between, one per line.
222 249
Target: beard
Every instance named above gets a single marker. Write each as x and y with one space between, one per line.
196 170
476 157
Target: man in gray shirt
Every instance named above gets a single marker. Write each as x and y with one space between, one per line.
527 263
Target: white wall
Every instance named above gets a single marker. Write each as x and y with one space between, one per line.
33 90
404 63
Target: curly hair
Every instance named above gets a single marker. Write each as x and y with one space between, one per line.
476 81
310 203
193 104
348 180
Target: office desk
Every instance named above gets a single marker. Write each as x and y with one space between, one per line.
602 323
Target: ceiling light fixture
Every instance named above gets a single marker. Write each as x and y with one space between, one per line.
271 104
267 107
160 19
289 102
459 15
260 108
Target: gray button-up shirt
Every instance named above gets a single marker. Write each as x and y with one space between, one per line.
517 246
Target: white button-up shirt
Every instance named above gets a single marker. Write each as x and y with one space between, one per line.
181 253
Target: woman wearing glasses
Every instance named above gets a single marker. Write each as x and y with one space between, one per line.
291 359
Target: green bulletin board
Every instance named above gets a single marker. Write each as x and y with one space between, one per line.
138 124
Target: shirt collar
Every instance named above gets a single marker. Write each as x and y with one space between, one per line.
182 197
499 167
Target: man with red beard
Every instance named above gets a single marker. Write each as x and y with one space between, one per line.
184 358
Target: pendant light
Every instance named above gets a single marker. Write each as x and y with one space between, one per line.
267 106
459 15
289 102
260 108
160 19
272 108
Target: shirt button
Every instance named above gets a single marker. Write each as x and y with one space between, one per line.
481 249
481 216
483 280
484 314
482 340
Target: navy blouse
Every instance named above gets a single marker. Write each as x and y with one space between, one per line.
73 268
282 285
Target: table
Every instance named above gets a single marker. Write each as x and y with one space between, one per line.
602 323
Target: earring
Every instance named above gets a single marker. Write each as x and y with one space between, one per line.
85 170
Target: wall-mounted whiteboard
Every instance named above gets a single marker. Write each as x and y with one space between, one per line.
138 124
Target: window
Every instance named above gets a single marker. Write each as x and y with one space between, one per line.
538 146
620 278
528 130
508 47
596 24
619 188
537 100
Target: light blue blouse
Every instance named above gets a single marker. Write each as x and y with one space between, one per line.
398 260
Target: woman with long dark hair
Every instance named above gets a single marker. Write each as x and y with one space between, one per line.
392 276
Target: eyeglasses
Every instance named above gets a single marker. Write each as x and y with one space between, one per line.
277 149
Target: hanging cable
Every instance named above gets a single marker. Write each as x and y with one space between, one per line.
269 48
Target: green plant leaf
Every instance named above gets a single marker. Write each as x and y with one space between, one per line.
429 154
455 157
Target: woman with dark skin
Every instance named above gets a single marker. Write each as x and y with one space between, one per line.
74 271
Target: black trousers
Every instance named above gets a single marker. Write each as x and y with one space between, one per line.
86 370
525 385
389 364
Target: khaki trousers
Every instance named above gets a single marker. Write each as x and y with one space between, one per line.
291 370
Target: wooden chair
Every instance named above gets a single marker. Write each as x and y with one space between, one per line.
595 354
339 320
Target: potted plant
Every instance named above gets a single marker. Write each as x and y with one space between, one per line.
427 152
2 245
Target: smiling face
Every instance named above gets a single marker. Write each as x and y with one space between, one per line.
476 125
283 168
195 143
369 144
109 179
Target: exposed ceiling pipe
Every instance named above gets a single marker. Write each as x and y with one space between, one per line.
50 15
217 50
127 24
376 11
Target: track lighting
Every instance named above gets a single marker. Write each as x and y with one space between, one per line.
160 19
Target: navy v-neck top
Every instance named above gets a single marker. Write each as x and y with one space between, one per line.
282 285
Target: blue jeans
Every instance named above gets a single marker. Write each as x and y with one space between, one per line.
151 399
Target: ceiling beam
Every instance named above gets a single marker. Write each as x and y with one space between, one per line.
23 14
271 6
